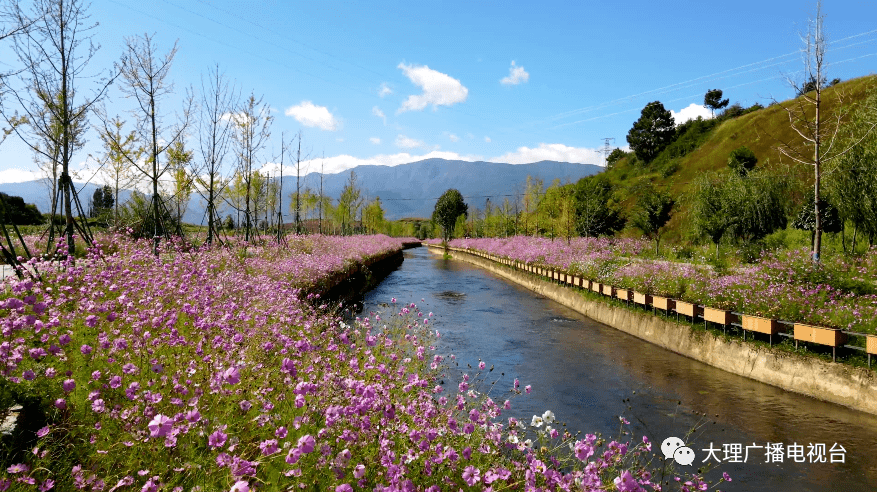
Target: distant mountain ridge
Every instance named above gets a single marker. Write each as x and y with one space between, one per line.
406 190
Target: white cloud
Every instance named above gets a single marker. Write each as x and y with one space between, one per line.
309 114
380 114
375 140
516 75
438 89
523 155
384 90
404 142
551 152
453 137
487 139
15 175
691 112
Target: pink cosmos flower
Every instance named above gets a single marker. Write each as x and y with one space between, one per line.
306 443
240 486
68 385
471 475
160 426
217 439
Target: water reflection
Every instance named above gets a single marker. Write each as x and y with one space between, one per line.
585 373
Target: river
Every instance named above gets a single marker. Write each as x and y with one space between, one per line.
589 374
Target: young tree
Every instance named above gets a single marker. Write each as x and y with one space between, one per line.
114 164
181 183
215 129
349 204
652 213
654 130
252 130
373 216
448 208
145 75
713 100
816 129
714 207
54 50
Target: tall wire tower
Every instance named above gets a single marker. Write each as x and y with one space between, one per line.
607 149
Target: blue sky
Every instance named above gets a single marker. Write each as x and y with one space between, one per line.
394 82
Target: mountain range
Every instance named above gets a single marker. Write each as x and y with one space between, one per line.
406 190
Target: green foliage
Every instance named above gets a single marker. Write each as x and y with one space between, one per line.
742 160
806 218
654 130
853 182
14 211
137 214
102 202
760 202
615 156
713 208
713 100
448 207
689 136
652 213
595 215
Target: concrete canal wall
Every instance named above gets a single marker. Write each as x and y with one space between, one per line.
837 383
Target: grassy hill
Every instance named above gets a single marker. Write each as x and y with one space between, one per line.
705 147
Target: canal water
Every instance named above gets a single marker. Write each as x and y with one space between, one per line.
589 374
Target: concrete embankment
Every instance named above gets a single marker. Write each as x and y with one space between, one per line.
837 383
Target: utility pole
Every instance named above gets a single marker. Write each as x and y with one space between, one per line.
280 193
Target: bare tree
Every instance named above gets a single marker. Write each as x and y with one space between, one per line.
145 75
252 124
54 51
817 129
215 129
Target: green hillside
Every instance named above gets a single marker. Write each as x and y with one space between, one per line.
707 144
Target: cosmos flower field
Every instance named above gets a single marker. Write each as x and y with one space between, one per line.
839 292
220 369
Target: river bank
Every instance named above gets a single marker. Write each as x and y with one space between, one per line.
849 386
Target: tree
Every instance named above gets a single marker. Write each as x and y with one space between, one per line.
373 216
614 156
252 129
145 75
713 206
215 130
652 213
817 131
114 165
13 211
760 203
448 208
654 130
181 184
101 202
853 184
742 160
713 100
54 51
349 204
830 219
593 212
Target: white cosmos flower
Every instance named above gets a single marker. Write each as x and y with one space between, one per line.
528 443
513 439
537 421
548 416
